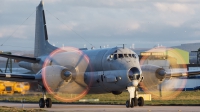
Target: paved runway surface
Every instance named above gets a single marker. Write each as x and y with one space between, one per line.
106 108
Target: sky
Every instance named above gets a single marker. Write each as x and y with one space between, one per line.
106 23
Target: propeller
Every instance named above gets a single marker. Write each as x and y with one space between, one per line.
160 71
63 74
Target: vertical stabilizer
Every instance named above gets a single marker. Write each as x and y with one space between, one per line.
42 46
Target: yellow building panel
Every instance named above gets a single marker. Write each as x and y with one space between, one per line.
147 97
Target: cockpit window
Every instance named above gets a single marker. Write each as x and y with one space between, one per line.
126 55
133 55
136 56
121 55
115 56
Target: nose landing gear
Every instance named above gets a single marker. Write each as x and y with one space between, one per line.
134 100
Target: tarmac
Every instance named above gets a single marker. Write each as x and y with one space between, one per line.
104 108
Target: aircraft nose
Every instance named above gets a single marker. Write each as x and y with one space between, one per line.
134 73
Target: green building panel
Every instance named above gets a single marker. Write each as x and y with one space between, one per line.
181 56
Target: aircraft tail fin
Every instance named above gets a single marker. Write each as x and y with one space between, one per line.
42 46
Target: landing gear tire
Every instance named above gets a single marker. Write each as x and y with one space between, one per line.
48 103
132 103
127 104
135 101
141 101
41 103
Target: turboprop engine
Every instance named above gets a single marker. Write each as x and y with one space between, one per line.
63 77
161 68
153 75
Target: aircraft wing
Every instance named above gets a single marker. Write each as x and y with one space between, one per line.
21 58
20 77
186 73
194 72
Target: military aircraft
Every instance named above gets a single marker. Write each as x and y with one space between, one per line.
69 71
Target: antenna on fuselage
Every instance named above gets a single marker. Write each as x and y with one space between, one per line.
42 1
123 46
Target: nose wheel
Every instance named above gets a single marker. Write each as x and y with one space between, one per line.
127 104
134 100
131 103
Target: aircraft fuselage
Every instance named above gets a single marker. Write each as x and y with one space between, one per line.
107 70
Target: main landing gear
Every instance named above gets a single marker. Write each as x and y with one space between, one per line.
45 101
134 100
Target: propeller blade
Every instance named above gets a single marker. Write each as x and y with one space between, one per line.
63 77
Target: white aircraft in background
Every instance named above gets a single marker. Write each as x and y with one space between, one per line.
67 71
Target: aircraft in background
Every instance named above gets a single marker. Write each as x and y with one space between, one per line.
71 71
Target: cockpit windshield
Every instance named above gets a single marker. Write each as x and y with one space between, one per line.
116 56
126 55
133 55
120 55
